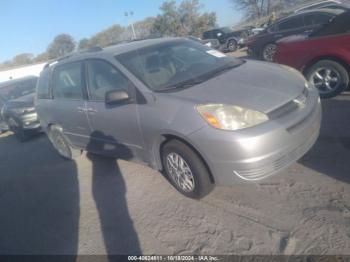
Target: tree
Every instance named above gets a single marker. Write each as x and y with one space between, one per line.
22 59
42 57
84 44
185 19
62 44
143 28
113 34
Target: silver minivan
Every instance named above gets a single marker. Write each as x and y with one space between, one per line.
203 117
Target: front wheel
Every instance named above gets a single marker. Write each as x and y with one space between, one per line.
17 129
61 144
269 52
186 171
329 77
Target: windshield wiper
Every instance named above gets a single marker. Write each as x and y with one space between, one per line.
201 79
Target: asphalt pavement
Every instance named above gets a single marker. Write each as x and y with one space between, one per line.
99 205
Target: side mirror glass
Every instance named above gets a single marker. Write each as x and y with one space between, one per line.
116 96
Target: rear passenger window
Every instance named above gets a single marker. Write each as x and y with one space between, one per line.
291 24
103 77
67 81
43 85
316 19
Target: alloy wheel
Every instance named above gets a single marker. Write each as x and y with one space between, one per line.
269 52
180 172
59 143
325 79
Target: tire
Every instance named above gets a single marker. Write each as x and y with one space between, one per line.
232 45
21 135
17 129
268 52
61 144
198 174
329 77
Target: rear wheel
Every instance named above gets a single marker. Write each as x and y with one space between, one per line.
61 144
232 45
329 77
269 51
186 171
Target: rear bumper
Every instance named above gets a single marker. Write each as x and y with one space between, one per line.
256 153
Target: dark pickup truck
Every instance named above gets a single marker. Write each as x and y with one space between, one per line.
17 107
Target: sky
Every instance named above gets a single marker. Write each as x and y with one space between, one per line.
29 26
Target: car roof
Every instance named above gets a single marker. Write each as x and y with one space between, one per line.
321 10
17 80
113 50
326 2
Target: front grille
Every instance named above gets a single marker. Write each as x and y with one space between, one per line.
278 164
287 108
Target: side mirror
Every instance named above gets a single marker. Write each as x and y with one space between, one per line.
116 97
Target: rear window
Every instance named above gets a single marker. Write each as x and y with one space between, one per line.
339 25
43 85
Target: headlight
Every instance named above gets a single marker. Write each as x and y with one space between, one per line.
229 117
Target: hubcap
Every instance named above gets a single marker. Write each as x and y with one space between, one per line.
59 143
325 79
269 52
180 172
232 46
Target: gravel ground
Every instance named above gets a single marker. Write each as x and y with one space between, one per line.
102 206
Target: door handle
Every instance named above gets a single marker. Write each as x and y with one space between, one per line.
81 109
92 110
278 36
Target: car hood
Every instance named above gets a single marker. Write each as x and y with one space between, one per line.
23 101
255 85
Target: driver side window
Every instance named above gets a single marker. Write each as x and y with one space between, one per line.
103 77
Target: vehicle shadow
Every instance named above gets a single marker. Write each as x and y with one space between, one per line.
108 189
331 153
39 196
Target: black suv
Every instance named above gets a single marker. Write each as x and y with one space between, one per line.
17 106
263 45
227 38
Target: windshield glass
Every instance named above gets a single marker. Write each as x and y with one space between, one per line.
18 89
176 63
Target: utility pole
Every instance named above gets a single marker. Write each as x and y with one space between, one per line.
127 15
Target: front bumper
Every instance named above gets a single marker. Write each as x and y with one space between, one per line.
30 121
27 121
256 153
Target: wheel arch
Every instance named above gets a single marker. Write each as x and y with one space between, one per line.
165 138
334 58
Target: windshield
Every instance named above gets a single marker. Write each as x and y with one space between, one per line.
18 89
176 63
